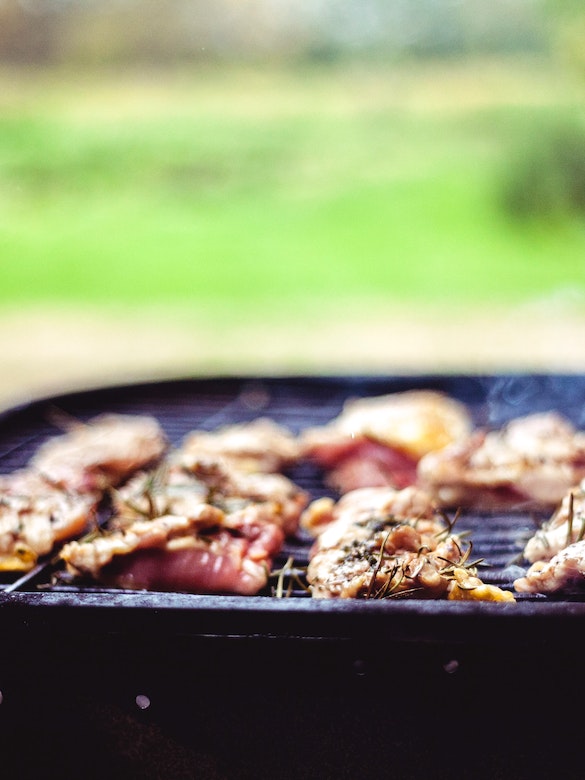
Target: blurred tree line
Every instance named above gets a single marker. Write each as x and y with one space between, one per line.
104 32
546 173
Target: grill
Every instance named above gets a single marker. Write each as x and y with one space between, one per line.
180 685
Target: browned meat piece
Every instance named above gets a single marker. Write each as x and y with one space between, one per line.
378 441
102 453
35 516
207 552
381 543
259 445
529 463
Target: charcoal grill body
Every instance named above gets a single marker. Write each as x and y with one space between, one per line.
99 682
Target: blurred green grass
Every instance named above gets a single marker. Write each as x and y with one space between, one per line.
267 189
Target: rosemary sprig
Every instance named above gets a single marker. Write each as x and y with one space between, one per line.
378 565
294 578
570 517
449 523
462 563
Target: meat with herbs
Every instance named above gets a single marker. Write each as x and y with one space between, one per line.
529 463
196 524
378 441
565 526
556 551
383 543
182 483
564 572
35 516
207 552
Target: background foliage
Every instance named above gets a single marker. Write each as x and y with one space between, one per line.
219 154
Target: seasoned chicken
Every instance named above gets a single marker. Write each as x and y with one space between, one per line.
330 520
564 572
101 453
379 440
35 516
381 543
260 445
557 550
176 489
567 525
257 487
206 552
529 463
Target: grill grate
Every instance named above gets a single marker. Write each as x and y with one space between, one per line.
296 402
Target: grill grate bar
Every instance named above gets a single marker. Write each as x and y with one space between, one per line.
40 573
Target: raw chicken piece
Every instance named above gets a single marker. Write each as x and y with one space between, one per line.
378 441
529 463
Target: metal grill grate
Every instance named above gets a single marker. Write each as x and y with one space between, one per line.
297 402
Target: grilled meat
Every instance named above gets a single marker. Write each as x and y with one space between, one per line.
35 516
328 519
175 489
556 551
196 524
224 481
207 552
566 525
101 453
378 441
564 572
260 445
529 463
381 543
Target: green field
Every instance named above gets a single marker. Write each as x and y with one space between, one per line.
263 189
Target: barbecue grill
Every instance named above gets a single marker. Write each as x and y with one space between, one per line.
102 682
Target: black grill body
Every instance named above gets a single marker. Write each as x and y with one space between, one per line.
101 682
